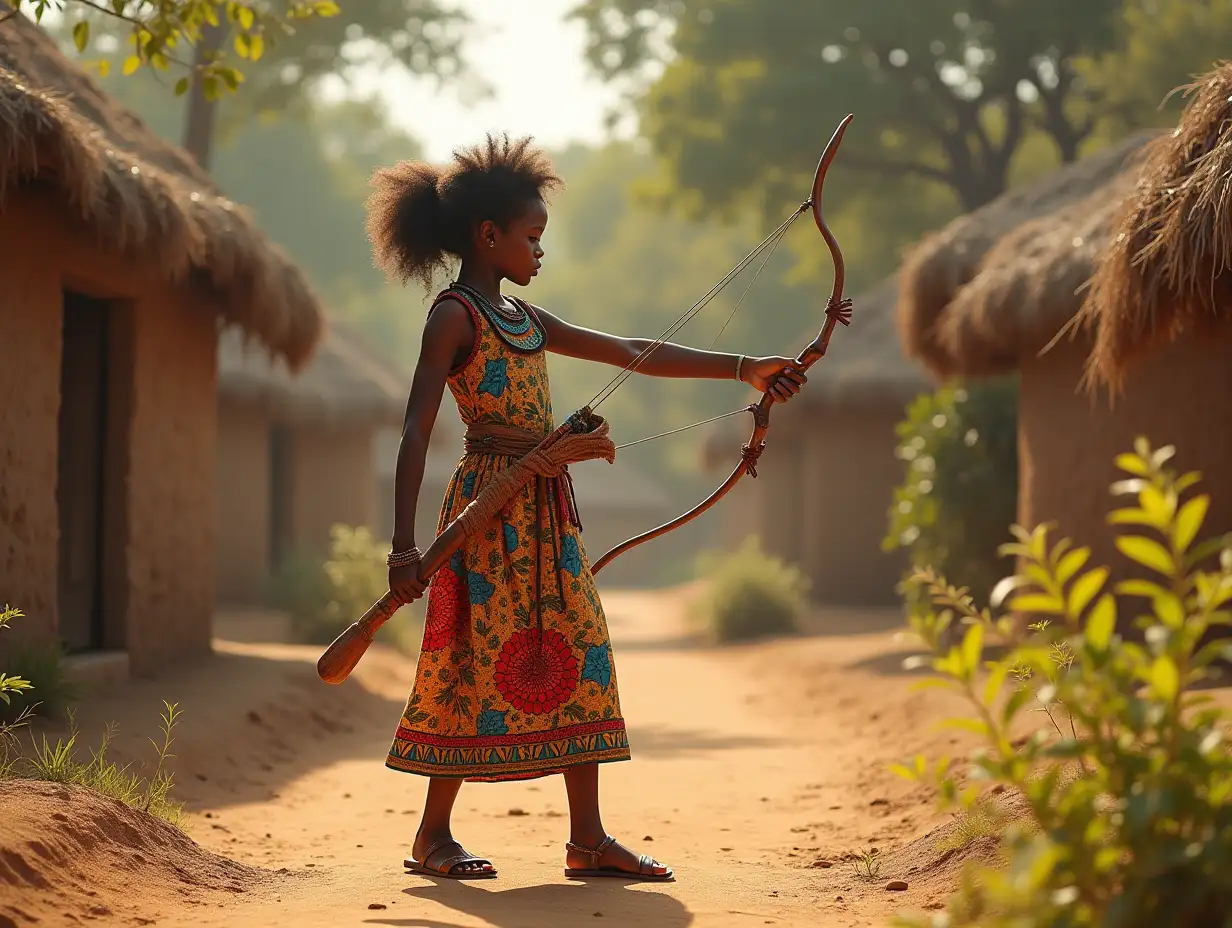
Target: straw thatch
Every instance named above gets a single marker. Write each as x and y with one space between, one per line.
1165 272
864 365
347 381
941 265
1029 286
143 199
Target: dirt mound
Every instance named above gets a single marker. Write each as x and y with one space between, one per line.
933 863
68 854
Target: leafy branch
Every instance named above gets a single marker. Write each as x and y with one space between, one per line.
157 29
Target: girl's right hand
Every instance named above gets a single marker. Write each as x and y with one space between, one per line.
405 584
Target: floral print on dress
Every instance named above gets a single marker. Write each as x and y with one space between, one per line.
495 377
570 556
492 722
598 665
537 672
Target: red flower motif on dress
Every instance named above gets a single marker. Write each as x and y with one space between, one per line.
448 608
536 676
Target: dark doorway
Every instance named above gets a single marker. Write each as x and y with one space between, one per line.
80 479
279 495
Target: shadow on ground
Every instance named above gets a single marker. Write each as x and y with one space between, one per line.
666 742
548 904
253 719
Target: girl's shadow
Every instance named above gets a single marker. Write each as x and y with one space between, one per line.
548 904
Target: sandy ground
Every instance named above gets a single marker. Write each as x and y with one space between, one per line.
753 767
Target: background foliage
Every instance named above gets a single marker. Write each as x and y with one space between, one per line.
1127 798
959 448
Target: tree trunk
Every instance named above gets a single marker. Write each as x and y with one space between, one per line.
200 114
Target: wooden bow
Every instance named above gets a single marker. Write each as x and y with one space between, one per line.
838 310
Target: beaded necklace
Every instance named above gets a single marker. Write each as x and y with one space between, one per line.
518 328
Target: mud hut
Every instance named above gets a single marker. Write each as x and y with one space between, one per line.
1160 301
297 453
120 262
1011 297
827 477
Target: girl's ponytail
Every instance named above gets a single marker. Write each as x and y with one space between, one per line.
406 222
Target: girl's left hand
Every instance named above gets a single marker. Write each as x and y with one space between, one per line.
782 377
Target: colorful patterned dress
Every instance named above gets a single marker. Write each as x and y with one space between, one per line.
505 690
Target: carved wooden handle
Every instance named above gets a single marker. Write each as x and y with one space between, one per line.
340 658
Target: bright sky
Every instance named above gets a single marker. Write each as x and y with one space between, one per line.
532 58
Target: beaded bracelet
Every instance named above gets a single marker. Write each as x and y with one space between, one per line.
403 558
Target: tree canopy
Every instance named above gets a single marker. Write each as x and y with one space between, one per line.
946 90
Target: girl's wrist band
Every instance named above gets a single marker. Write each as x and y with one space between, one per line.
403 558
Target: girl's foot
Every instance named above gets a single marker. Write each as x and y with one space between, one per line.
444 856
610 859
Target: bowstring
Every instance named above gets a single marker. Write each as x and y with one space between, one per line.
684 428
761 267
769 242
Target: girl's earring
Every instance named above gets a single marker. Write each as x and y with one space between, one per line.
491 243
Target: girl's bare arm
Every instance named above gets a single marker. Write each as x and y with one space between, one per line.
670 359
447 338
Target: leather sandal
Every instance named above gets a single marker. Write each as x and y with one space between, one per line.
644 873
448 867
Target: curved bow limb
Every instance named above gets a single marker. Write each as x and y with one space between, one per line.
838 310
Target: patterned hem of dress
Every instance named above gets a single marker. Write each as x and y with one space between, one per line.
509 756
504 777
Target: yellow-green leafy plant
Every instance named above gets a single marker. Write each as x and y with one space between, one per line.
1128 794
58 762
752 594
10 685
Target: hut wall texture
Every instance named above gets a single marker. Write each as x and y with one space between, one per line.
30 315
820 502
607 525
848 480
780 475
158 497
1068 440
171 482
243 520
334 482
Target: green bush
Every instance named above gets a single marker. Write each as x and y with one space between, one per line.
959 446
1129 792
323 597
752 595
11 684
43 686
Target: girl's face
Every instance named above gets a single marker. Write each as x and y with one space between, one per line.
516 251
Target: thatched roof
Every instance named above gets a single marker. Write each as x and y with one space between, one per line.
1030 285
347 381
1020 233
1166 271
864 364
142 198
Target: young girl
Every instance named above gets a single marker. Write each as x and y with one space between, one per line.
515 679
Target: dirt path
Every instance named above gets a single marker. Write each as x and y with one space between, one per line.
751 765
